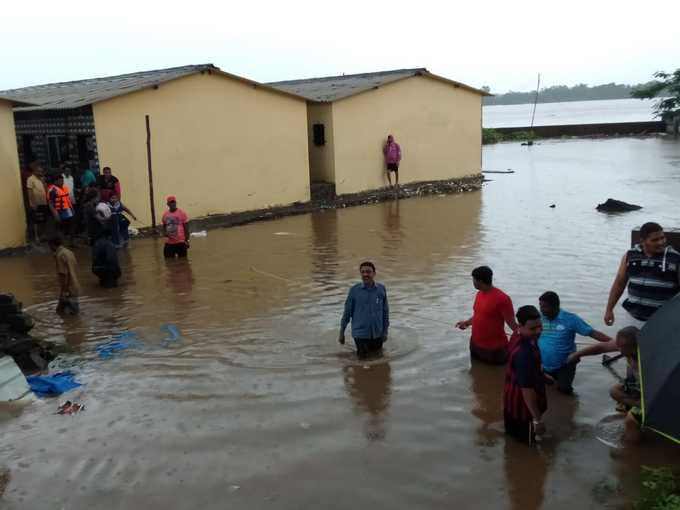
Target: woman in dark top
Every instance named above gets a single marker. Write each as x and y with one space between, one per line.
108 185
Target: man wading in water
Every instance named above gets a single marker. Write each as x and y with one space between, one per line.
524 397
366 306
651 270
491 311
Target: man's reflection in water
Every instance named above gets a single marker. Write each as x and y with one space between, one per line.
370 387
527 467
486 386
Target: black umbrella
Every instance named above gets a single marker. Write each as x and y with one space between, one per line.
659 364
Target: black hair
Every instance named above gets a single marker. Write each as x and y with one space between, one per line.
550 298
649 228
483 274
527 313
630 334
367 263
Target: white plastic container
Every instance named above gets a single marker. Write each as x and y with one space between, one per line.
13 385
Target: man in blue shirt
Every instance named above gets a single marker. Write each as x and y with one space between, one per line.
366 306
557 340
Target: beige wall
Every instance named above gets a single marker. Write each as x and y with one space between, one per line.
437 125
13 217
321 157
219 144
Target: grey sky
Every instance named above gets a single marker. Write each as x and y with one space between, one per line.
497 43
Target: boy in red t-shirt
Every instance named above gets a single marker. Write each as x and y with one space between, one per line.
176 230
491 311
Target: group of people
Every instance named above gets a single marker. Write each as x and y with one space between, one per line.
542 348
58 202
101 218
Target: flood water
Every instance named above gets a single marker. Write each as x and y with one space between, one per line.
255 405
569 112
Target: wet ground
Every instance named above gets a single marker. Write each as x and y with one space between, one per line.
237 394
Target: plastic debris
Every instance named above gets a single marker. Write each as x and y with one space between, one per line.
118 343
52 385
70 408
172 332
202 233
134 232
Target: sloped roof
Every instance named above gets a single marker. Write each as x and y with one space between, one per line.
14 101
334 88
75 94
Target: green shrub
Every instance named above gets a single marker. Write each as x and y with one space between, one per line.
659 490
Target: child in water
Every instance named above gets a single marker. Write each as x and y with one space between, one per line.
119 223
627 393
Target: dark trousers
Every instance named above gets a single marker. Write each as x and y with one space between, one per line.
564 377
172 250
521 430
368 346
492 357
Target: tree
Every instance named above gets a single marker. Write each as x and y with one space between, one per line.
666 85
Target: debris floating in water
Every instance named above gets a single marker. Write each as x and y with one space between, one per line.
201 233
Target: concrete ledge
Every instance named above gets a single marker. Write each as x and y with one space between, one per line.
328 201
615 128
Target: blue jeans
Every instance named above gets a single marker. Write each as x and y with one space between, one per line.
119 229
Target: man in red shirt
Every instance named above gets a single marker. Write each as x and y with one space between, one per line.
524 397
176 230
491 311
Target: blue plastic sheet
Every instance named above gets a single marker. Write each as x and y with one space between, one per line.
173 334
117 344
52 385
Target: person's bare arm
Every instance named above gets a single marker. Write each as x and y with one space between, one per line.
63 285
600 336
531 400
125 209
462 325
593 350
186 233
618 286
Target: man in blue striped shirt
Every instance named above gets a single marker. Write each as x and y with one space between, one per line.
366 306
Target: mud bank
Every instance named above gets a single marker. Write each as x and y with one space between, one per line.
323 197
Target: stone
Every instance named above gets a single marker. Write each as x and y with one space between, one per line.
612 205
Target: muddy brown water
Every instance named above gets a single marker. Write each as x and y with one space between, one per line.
255 405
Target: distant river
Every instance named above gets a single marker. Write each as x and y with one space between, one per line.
574 112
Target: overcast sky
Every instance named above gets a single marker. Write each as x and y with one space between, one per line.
497 43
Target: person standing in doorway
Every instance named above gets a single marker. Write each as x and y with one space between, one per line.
392 153
69 287
60 205
108 185
524 397
367 308
69 182
491 311
651 270
37 201
557 340
175 229
88 179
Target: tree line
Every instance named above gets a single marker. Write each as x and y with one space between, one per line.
562 93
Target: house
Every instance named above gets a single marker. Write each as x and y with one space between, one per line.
437 122
220 142
12 224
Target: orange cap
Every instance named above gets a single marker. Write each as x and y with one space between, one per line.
171 198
